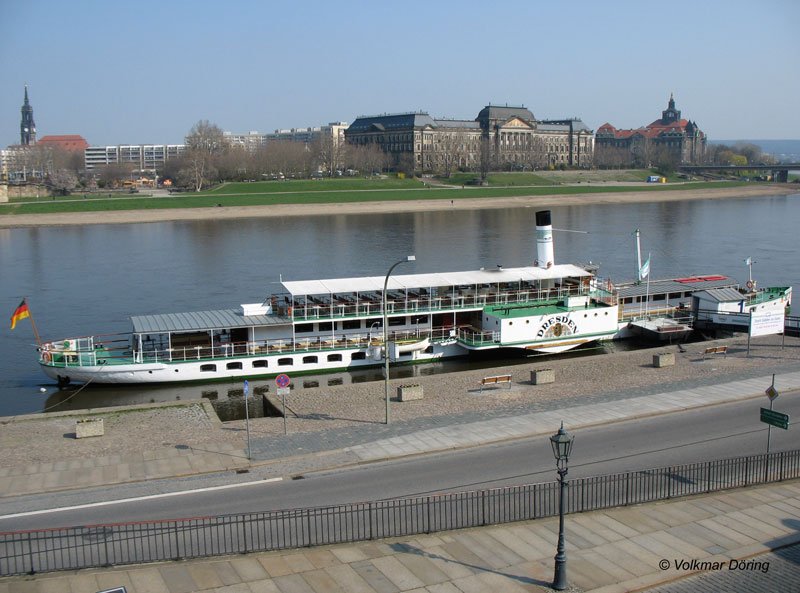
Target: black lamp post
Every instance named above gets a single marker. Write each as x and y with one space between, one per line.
386 331
562 447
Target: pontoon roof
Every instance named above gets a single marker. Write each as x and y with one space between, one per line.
412 281
200 321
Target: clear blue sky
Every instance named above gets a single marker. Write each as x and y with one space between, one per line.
146 71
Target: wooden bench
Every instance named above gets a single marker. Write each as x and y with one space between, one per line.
496 381
716 350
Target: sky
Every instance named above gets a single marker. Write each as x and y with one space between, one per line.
145 72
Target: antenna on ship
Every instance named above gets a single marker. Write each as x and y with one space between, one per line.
638 257
749 263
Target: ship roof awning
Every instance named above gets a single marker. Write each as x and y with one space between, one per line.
200 321
412 281
674 286
721 295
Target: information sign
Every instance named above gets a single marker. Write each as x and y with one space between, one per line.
766 323
246 387
773 418
283 391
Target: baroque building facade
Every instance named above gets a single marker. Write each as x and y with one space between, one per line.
499 138
668 140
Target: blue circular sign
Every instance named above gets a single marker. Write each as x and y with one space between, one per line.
282 380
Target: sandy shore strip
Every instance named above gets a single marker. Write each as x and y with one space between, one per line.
383 207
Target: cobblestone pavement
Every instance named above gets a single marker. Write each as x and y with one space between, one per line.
292 444
777 572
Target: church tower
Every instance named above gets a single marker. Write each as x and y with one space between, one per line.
670 114
27 128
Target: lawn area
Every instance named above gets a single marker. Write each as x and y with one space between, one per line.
318 192
313 185
552 177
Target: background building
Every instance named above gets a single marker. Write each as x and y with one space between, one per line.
141 157
68 142
334 132
669 140
27 127
499 138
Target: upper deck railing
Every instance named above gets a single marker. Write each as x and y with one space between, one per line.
399 303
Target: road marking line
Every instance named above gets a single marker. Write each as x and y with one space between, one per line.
138 498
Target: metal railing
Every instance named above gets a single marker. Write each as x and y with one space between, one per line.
132 543
308 310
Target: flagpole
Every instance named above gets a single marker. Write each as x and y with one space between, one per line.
33 323
647 289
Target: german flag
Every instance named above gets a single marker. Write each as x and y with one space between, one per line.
21 313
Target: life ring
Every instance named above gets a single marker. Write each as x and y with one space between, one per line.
749 285
289 311
46 356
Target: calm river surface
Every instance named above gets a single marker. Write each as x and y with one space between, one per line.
89 280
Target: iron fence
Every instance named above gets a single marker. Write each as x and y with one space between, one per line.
133 543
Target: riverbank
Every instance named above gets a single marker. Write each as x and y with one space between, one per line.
384 207
337 416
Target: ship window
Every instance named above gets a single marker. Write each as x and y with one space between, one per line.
674 295
373 321
351 324
326 327
310 360
397 321
429 349
304 328
208 368
419 319
334 357
358 356
659 297
234 365
259 364
285 362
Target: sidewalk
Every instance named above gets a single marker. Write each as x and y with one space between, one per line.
612 551
282 458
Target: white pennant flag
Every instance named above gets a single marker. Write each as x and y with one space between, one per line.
645 269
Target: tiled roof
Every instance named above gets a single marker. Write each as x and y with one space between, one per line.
65 141
389 122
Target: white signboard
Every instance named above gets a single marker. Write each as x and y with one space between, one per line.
766 323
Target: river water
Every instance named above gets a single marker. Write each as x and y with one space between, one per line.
85 280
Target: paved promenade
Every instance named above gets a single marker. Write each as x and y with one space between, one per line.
282 456
616 550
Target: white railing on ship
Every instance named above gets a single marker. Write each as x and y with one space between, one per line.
467 299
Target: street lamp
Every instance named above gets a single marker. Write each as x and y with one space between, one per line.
386 331
562 447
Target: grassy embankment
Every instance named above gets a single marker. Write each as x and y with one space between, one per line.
356 190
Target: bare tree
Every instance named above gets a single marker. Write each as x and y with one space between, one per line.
114 174
62 181
486 156
204 143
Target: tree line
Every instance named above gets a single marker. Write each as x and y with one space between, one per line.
210 158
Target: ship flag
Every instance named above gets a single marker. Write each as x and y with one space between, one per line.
20 313
644 271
